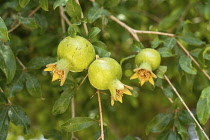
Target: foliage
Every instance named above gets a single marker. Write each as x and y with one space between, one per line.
30 32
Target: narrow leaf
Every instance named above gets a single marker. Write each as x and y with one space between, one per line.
126 58
158 123
18 117
168 92
33 86
156 43
3 31
28 22
186 65
4 123
3 98
102 52
8 62
44 4
17 84
203 106
93 32
170 42
95 12
185 117
72 30
23 3
192 41
59 3
62 104
182 130
38 62
165 52
73 9
41 21
169 135
78 123
137 46
161 70
54 134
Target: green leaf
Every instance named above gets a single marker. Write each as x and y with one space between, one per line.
169 135
4 123
170 43
203 106
77 124
156 43
137 46
8 62
23 3
3 31
192 41
169 21
161 70
95 12
158 123
126 58
73 9
54 134
207 11
62 104
128 138
165 52
111 3
72 30
28 22
17 84
93 32
18 117
41 22
102 52
186 64
3 98
185 117
44 4
168 92
203 54
38 62
59 3
33 86
182 130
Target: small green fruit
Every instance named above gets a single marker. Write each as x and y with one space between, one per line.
74 54
149 56
105 73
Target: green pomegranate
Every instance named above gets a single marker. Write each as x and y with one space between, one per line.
105 74
147 60
74 54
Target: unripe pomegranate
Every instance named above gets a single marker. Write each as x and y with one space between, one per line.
105 74
74 54
147 60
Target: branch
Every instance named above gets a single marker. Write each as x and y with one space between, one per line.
191 114
134 33
196 63
22 65
101 116
62 19
84 24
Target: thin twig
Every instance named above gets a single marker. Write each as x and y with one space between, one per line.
18 24
191 114
22 65
101 116
82 81
62 19
84 24
196 63
134 32
62 14
34 11
30 14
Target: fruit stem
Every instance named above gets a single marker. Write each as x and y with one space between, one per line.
101 116
145 65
